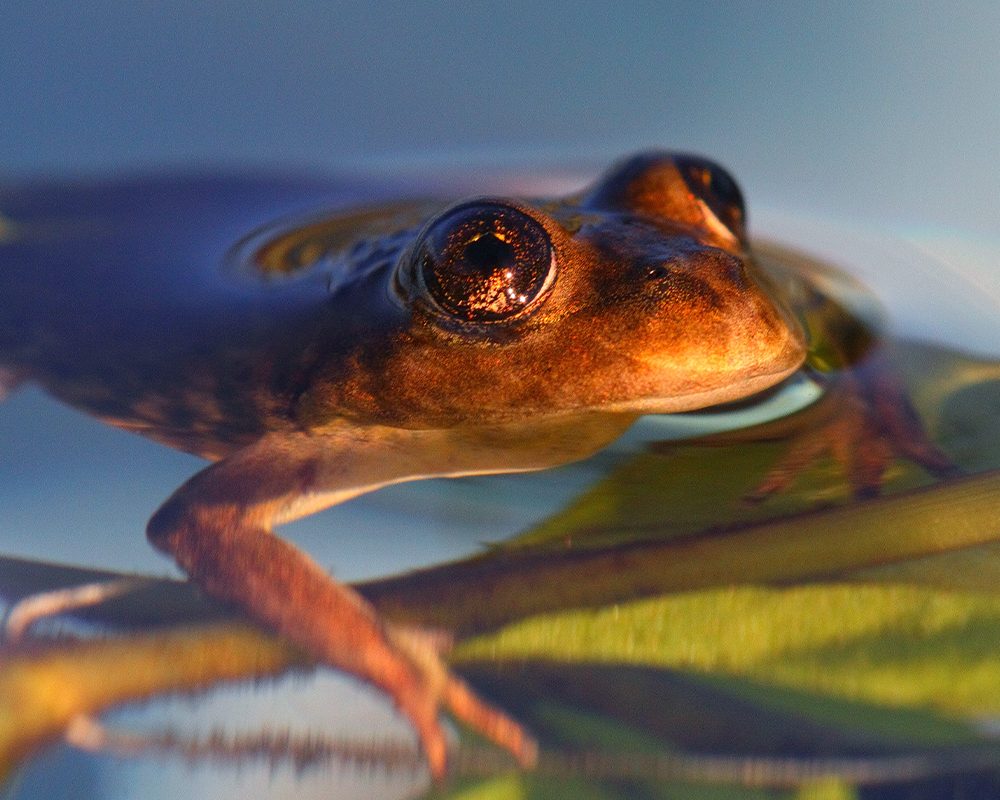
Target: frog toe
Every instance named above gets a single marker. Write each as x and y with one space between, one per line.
444 689
801 453
871 426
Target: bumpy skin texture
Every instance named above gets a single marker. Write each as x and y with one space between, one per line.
321 360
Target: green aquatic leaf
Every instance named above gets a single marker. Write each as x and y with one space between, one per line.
517 786
482 593
830 789
665 733
892 645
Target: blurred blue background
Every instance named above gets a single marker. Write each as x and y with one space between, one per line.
877 109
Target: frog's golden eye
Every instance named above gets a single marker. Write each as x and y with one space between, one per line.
716 188
485 262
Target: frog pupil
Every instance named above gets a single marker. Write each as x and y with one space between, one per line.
488 253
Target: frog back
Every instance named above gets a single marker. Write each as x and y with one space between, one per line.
133 301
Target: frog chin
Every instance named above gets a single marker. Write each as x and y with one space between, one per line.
696 399
699 391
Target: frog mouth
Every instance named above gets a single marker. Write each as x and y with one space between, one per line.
700 396
723 376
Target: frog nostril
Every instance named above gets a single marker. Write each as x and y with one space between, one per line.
724 268
657 272
738 273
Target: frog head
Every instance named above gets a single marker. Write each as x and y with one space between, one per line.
638 295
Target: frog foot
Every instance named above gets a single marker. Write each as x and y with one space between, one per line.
866 423
423 649
284 590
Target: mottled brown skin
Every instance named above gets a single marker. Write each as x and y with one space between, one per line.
314 363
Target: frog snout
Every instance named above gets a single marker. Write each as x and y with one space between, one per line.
722 270
708 279
722 300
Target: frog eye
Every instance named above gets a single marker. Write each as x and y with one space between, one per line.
675 188
711 184
485 262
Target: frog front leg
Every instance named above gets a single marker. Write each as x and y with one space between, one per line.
864 423
218 526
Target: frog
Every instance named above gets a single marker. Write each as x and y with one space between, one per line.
341 346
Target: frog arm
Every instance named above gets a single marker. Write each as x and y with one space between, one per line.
866 419
218 527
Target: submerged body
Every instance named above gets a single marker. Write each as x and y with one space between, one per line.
315 360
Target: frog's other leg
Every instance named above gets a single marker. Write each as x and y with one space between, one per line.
218 526
865 422
20 616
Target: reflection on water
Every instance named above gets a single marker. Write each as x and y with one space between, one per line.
936 287
324 703
785 635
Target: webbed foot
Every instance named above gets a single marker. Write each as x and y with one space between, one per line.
869 423
446 691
